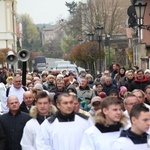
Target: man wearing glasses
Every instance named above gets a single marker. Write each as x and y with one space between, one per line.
141 96
16 89
129 101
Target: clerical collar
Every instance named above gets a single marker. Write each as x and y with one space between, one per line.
41 118
65 118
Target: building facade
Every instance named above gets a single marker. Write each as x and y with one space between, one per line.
8 17
141 43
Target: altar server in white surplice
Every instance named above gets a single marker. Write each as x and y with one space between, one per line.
43 109
109 123
135 138
64 130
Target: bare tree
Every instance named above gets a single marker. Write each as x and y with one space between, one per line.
110 13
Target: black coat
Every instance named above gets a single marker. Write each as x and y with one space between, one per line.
23 107
13 129
107 88
136 84
2 138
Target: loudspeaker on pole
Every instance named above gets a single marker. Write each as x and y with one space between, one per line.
23 55
11 58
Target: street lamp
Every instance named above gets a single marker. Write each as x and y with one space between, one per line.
99 30
90 36
140 8
107 43
80 41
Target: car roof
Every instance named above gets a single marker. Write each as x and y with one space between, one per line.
66 65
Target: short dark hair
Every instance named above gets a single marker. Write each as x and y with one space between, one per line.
98 83
76 82
137 109
110 101
59 98
140 70
42 94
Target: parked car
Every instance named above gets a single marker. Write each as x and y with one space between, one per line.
40 63
68 67
57 63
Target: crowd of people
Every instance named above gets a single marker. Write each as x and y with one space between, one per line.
65 111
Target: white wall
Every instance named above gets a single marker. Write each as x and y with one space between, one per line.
6 30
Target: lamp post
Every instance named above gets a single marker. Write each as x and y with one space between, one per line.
80 41
140 11
140 8
90 36
107 43
99 30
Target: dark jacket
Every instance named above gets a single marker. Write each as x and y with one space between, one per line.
113 73
3 77
136 139
2 138
127 84
24 108
56 90
13 129
136 84
107 88
122 82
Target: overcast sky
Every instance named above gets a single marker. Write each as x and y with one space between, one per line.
44 11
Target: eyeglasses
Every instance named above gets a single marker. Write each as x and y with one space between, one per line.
130 104
139 97
17 81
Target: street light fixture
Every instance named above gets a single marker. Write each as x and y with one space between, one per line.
140 8
107 43
80 41
99 30
90 36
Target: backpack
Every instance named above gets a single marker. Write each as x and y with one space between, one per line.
7 91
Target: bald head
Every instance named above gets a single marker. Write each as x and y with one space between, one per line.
28 98
13 103
11 98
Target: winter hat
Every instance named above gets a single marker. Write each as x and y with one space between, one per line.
102 95
38 86
123 89
96 99
114 91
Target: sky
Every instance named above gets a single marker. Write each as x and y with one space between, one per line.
44 11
